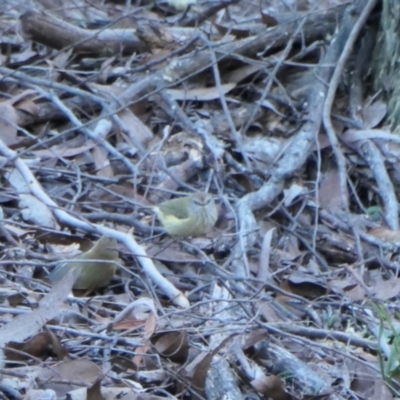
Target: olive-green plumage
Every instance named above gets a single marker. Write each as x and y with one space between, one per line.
192 215
93 274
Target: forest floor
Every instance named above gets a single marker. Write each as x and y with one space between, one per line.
108 108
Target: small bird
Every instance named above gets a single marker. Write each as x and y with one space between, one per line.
93 274
192 215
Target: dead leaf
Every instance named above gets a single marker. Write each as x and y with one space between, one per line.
329 191
8 124
254 337
244 181
241 31
264 273
101 162
269 313
198 369
61 59
304 285
137 313
33 210
24 56
366 385
201 94
137 132
241 73
94 392
41 346
292 193
385 234
139 360
262 149
374 114
268 19
113 393
69 375
150 326
386 290
27 325
271 386
171 253
173 345
123 364
65 150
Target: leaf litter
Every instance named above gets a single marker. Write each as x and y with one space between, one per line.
108 108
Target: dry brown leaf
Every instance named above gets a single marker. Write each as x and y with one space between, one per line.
106 69
94 392
137 132
112 393
65 150
73 373
27 325
240 31
126 189
304 285
268 19
17 231
198 374
244 181
8 124
17 181
386 290
62 58
294 191
374 113
271 386
40 346
29 106
254 337
140 312
34 394
129 323
24 56
171 253
269 313
329 191
201 94
385 234
139 360
356 293
242 73
124 364
264 273
340 285
364 382
33 210
173 345
263 150
101 162
68 375
150 326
